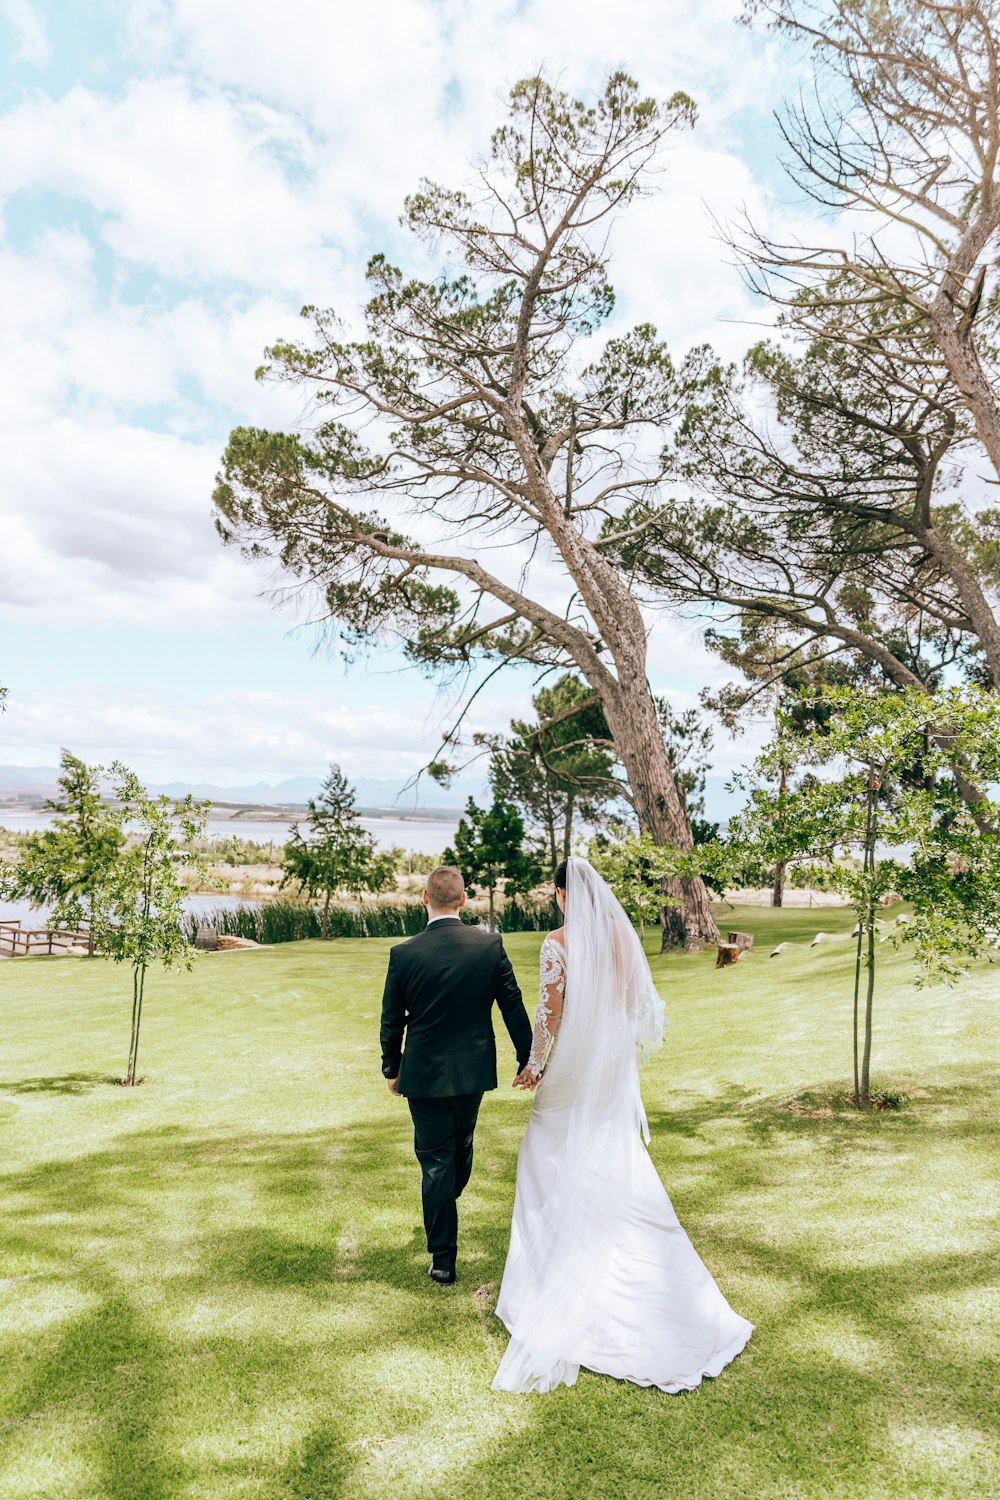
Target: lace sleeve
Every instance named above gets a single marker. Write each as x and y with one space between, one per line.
552 986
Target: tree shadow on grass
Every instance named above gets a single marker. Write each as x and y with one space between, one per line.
345 1184
62 1083
105 1370
320 1236
112 1371
821 1114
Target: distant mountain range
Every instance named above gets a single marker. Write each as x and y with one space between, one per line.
32 782
27 781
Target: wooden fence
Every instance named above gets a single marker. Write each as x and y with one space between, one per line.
21 942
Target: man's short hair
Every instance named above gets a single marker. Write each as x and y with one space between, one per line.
445 887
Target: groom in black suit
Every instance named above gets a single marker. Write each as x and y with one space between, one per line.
439 992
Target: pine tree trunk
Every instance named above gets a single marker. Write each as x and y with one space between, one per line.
325 922
969 587
956 340
626 698
493 920
550 830
631 716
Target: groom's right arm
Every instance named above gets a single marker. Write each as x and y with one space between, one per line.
393 1022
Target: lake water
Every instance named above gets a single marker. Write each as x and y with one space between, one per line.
425 836
29 916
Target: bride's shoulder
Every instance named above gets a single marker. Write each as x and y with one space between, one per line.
557 935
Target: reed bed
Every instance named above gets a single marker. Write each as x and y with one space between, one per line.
285 921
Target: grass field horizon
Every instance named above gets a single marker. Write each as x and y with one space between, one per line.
213 1285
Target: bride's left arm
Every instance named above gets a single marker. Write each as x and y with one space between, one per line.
552 988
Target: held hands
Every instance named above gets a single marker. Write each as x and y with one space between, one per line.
526 1080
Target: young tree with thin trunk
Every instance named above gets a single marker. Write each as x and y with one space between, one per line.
468 414
787 680
69 867
886 813
335 853
145 911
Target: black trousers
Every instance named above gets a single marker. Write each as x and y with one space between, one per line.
442 1138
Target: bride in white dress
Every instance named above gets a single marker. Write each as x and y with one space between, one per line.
600 1272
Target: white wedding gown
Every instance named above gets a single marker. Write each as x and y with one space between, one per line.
600 1272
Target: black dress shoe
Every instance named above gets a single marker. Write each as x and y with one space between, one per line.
444 1275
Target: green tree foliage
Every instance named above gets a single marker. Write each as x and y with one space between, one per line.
230 849
143 918
335 853
415 861
489 850
784 687
69 867
883 789
635 867
559 768
689 736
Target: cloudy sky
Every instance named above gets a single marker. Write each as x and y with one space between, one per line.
176 178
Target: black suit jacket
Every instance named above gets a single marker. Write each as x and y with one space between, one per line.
439 992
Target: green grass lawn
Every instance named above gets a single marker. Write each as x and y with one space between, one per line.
213 1285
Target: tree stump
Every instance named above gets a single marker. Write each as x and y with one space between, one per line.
741 940
728 954
207 938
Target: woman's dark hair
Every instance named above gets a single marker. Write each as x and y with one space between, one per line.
561 876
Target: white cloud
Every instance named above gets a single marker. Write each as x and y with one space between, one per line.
255 172
110 524
192 184
33 44
241 735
